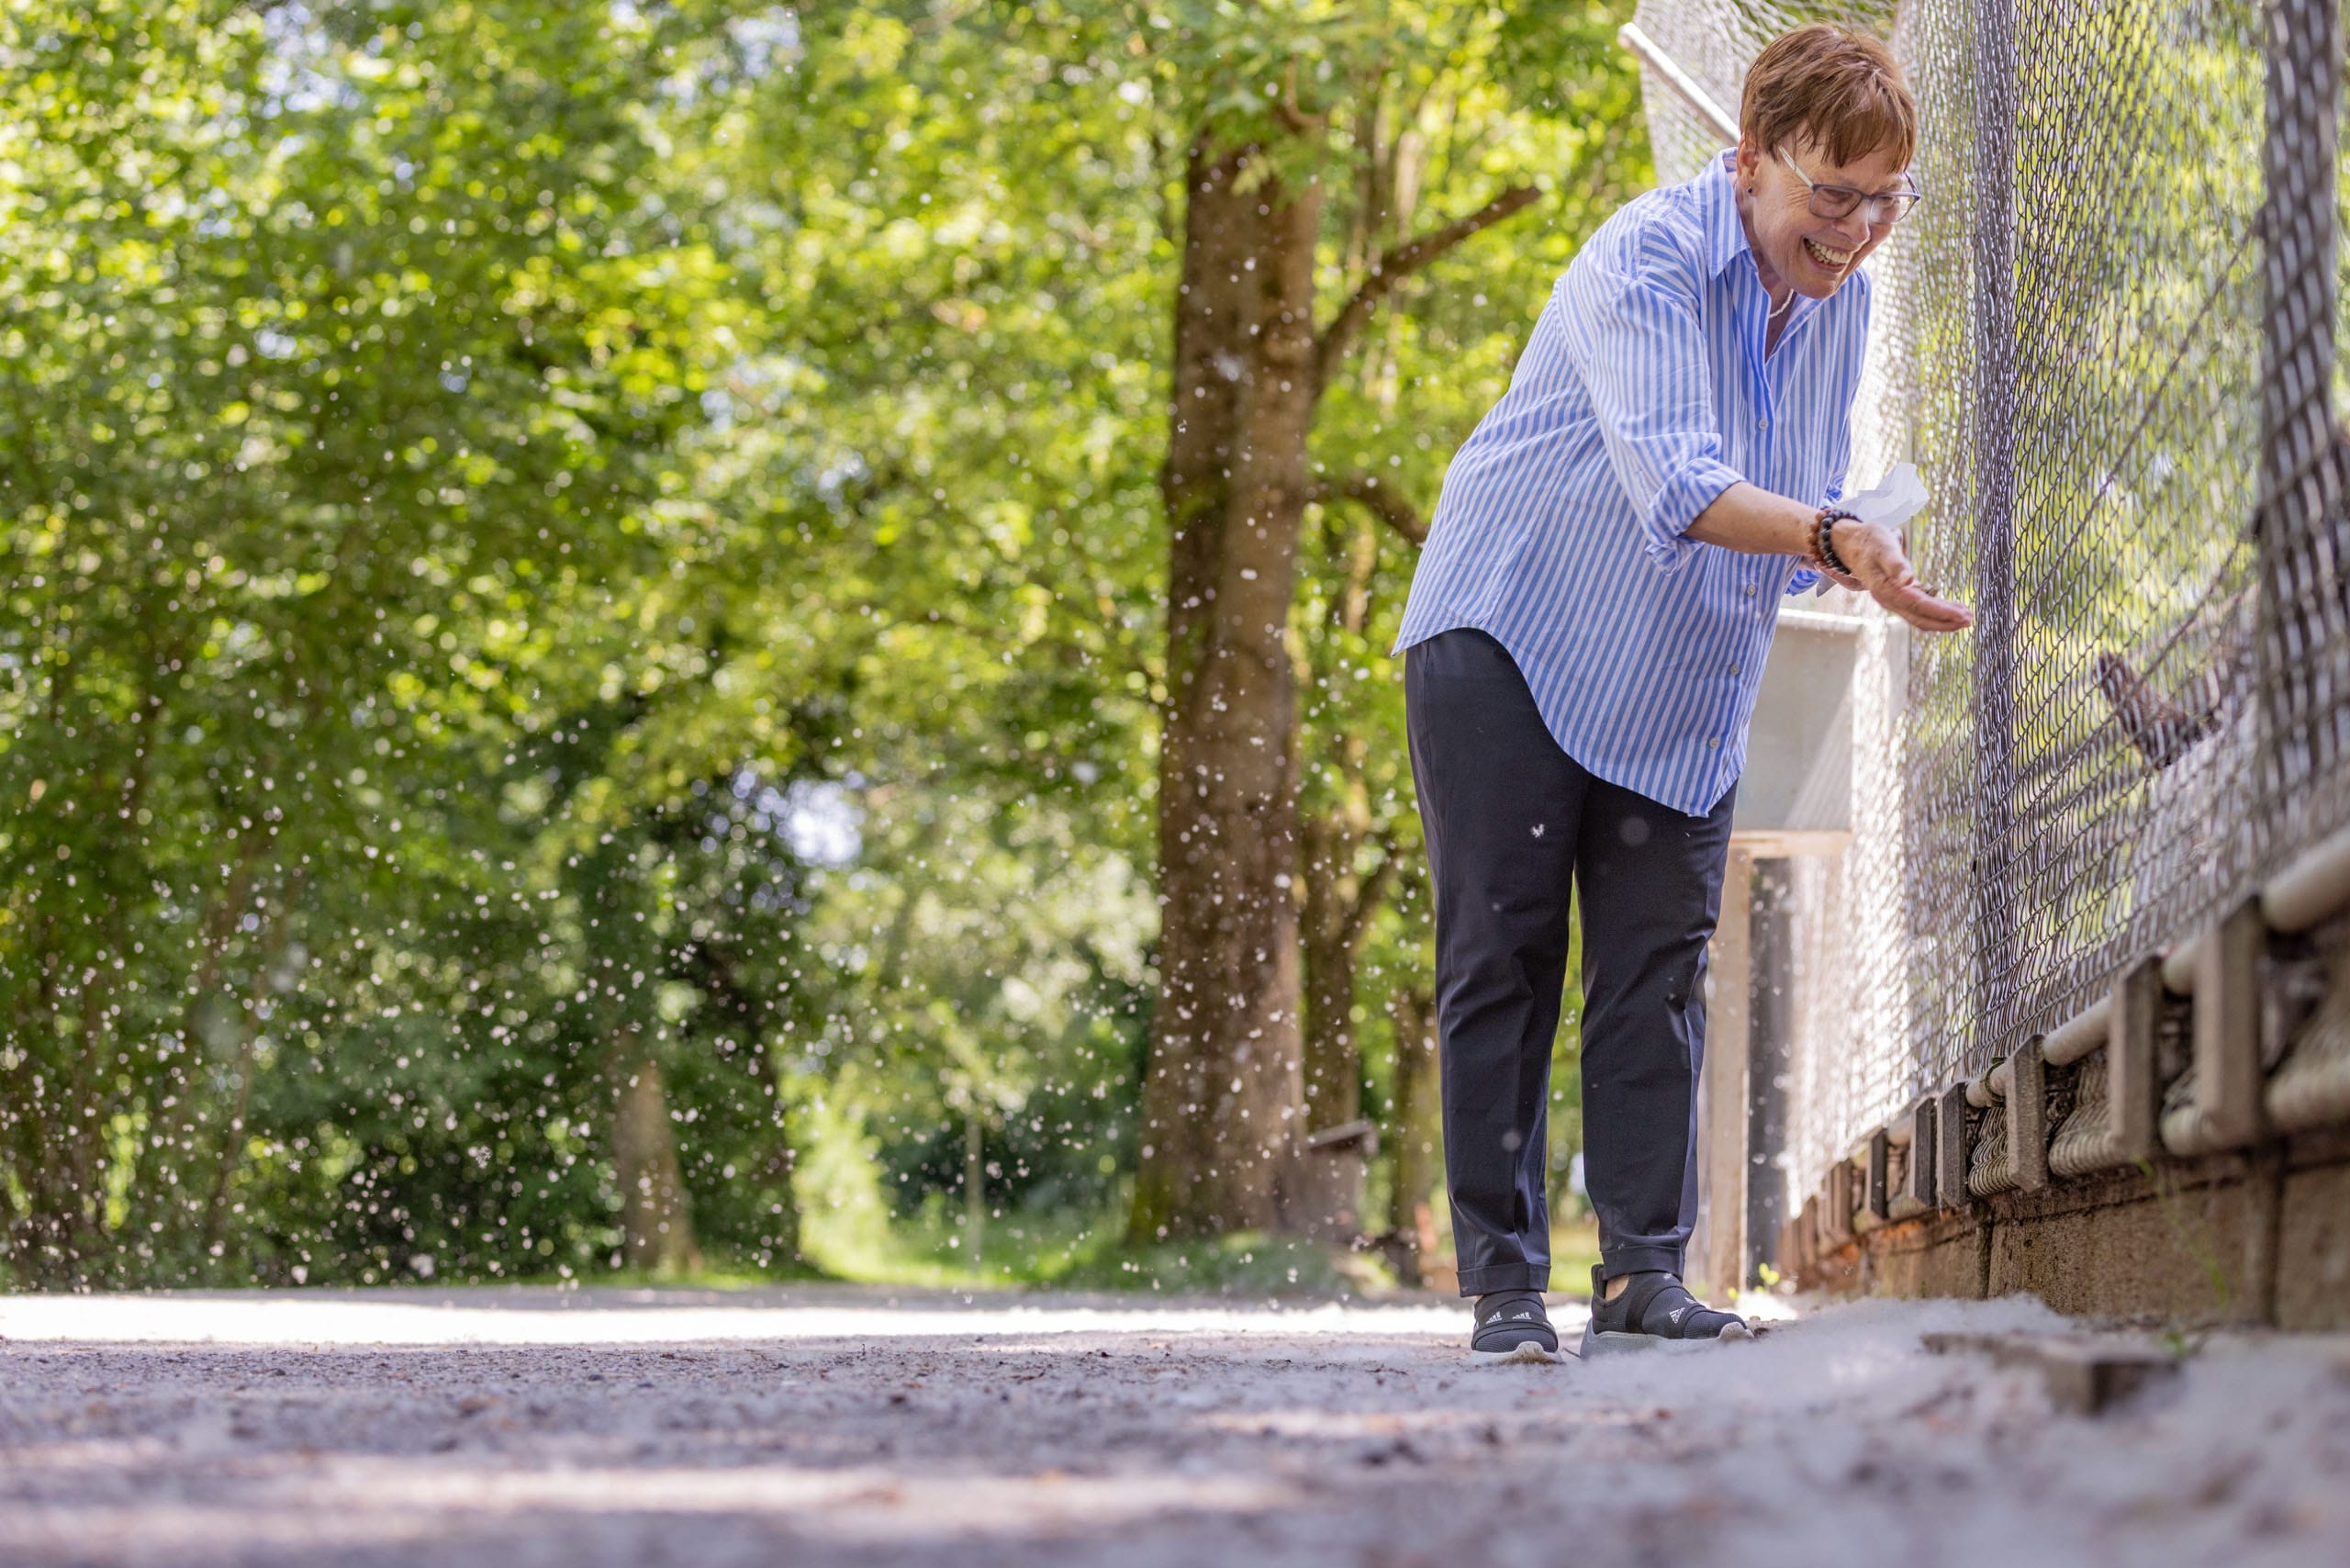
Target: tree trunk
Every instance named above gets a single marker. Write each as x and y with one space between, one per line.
656 1222
1417 1131
1333 943
781 1237
1339 901
975 1185
746 1013
1223 1087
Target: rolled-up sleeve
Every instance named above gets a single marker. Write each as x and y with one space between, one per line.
1805 580
1634 336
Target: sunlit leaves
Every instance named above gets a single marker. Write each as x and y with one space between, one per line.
545 537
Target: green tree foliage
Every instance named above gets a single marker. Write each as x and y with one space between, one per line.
558 549
352 372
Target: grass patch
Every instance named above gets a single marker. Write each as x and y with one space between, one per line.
1066 1250
1574 1252
1060 1250
1246 1264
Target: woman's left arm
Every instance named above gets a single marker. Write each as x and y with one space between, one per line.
1754 522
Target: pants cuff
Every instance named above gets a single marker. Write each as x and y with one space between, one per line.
1505 1277
1615 1260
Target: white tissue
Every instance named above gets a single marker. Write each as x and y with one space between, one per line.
1894 500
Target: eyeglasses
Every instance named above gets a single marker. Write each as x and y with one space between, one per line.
1883 208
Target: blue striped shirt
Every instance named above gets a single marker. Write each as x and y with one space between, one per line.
1644 393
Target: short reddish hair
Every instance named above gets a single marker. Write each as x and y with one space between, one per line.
1835 86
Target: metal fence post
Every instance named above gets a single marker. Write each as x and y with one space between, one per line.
2304 623
1994 237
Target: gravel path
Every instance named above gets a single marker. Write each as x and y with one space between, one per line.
835 1427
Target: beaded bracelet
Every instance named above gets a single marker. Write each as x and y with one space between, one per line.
1823 541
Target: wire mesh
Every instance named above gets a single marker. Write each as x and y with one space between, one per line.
2108 340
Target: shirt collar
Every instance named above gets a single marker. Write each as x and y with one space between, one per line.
1725 235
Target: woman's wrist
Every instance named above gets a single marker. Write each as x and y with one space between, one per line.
1822 549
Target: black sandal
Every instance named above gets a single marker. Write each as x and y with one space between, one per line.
1655 1309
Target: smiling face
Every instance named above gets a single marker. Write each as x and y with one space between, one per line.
1792 247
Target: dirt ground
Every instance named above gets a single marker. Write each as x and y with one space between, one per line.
842 1427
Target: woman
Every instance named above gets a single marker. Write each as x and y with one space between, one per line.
1586 631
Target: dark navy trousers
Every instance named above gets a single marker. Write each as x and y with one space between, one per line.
1516 828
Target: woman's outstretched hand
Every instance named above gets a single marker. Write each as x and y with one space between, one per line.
1752 519
1880 568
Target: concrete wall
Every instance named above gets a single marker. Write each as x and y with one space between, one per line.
2256 1237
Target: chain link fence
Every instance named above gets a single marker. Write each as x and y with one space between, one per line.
2106 340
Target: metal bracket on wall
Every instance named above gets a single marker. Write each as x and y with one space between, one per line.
1836 1219
2224 1108
2027 1074
1916 1194
1951 1151
2133 1072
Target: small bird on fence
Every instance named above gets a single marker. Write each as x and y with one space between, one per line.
2161 729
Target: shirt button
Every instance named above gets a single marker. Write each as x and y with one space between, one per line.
1764 421
1734 669
1750 591
1713 741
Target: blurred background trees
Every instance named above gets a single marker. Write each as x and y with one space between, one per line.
585 635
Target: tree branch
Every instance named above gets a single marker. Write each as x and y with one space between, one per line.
1384 501
1295 119
1395 265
